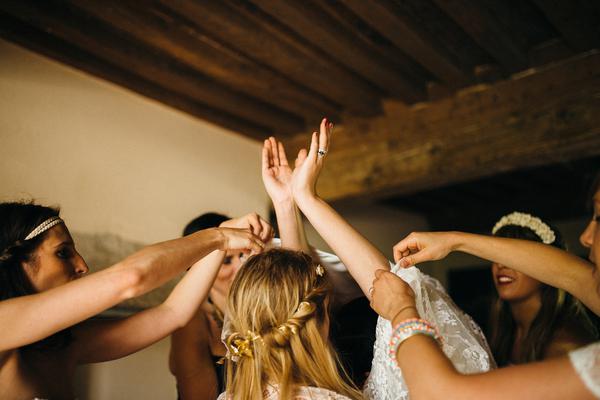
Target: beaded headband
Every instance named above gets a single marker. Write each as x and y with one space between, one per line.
44 226
542 230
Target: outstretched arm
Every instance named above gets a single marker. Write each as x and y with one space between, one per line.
107 340
357 253
34 317
277 178
545 263
394 300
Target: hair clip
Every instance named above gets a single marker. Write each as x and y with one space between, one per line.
320 270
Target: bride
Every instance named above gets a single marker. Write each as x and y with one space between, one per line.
278 347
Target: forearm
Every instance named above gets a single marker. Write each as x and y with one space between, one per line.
420 356
291 227
193 289
545 263
158 263
114 339
360 257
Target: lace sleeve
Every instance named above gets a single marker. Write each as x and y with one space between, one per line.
586 362
464 342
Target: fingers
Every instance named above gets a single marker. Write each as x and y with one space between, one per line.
324 131
379 272
266 156
274 151
266 231
405 247
282 156
302 155
314 147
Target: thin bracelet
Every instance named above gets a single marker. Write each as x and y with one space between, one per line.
402 309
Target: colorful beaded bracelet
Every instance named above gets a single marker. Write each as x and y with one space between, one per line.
409 328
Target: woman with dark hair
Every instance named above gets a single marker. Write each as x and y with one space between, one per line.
46 300
196 348
532 321
576 376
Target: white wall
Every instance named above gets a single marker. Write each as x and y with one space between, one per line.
115 161
118 164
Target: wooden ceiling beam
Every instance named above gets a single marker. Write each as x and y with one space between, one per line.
84 32
50 46
244 27
577 20
538 117
413 40
507 47
307 19
175 37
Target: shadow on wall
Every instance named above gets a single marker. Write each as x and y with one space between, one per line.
101 250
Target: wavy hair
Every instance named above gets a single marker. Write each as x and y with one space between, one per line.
278 310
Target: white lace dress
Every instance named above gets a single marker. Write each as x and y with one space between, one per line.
463 341
303 393
586 362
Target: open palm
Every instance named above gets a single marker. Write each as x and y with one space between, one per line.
276 173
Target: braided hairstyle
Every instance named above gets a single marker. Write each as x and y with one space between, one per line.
17 220
278 310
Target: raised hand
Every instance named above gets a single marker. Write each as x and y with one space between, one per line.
276 172
253 223
239 239
392 298
419 247
308 164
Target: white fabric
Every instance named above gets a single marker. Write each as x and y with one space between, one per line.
586 362
464 343
303 393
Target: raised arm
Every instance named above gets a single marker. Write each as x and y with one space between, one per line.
394 300
34 317
545 263
107 340
277 178
360 257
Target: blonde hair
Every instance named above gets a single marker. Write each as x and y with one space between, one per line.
278 311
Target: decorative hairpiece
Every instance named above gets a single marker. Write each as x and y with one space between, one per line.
320 270
241 346
542 230
44 226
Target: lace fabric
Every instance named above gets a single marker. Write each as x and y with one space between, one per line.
586 362
303 393
463 341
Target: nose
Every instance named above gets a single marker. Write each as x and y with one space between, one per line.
81 267
587 237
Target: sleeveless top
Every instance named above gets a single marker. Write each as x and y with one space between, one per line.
586 362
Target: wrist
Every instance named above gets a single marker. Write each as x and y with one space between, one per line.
405 313
305 198
457 240
216 238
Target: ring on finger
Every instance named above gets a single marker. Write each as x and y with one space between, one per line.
321 152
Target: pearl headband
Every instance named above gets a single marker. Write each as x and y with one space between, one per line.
542 230
43 227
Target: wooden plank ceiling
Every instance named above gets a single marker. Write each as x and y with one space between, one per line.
264 67
385 70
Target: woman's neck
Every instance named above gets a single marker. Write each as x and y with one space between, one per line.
524 312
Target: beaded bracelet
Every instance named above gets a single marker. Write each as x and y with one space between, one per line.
408 328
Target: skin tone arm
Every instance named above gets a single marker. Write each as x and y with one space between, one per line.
420 356
37 316
360 257
107 340
545 263
277 178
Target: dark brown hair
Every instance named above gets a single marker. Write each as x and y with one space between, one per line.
559 311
